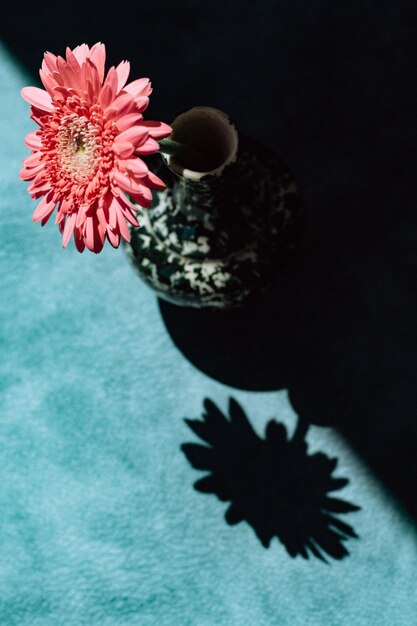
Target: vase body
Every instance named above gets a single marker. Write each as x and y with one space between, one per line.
213 239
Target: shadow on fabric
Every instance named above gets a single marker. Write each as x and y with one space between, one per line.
272 483
340 335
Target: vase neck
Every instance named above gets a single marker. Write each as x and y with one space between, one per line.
197 199
210 134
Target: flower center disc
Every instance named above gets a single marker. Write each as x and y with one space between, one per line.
78 148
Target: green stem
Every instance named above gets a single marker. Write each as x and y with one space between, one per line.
187 156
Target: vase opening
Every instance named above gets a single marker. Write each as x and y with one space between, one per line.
208 132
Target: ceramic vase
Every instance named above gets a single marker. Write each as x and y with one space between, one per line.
214 238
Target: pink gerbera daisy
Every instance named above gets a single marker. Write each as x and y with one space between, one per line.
85 155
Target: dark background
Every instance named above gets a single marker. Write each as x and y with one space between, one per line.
332 86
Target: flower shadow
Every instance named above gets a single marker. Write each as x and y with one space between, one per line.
271 483
335 331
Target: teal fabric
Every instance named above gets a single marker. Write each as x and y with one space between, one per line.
99 521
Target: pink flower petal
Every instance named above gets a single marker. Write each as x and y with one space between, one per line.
93 76
98 57
102 221
139 193
63 93
46 218
81 215
106 96
38 116
113 214
38 182
141 199
68 229
44 208
131 119
90 81
70 77
134 134
135 166
81 53
98 235
122 71
141 103
101 238
39 190
49 62
58 78
157 130
110 85
123 149
72 60
113 237
30 173
126 183
92 238
63 210
150 146
145 191
89 233
79 241
121 220
125 202
129 216
33 140
33 160
122 105
38 98
59 216
48 82
154 182
140 87
90 91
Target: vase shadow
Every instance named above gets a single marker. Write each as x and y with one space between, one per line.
271 483
339 334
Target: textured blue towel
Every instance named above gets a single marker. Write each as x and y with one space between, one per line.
99 521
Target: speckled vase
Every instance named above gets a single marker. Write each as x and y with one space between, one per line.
214 238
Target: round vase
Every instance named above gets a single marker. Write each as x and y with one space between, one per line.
213 238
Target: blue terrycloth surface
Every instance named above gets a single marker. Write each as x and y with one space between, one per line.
99 522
